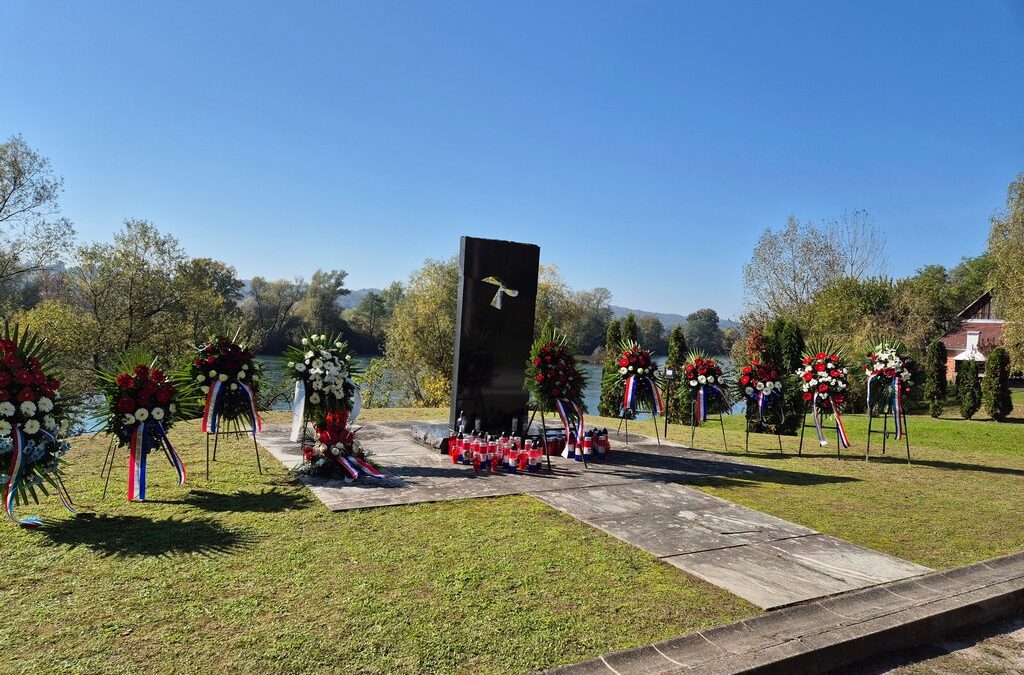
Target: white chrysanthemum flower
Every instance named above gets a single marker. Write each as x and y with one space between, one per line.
348 357
318 364
291 364
7 409
335 451
310 355
760 386
212 373
223 377
768 386
693 383
31 427
45 404
142 414
749 390
305 341
639 371
711 379
5 428
205 389
702 379
234 386
631 367
245 366
314 398
158 414
338 345
200 378
28 408
49 422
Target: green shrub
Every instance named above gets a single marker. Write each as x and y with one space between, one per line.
784 346
678 408
935 377
611 396
968 388
996 385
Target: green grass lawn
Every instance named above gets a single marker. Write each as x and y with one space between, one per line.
251 574
959 503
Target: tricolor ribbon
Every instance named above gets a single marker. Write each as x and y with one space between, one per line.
15 470
764 399
843 438
212 408
254 414
172 456
137 464
137 458
629 394
897 402
14 475
570 412
209 424
702 402
354 466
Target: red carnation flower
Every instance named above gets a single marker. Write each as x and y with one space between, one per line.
747 370
24 377
807 396
141 370
556 391
157 375
808 377
163 395
5 379
822 388
125 381
819 367
539 378
536 361
744 380
807 360
11 361
819 355
26 394
125 405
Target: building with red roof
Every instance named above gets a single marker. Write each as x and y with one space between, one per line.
979 329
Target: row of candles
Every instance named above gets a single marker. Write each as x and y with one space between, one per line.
504 453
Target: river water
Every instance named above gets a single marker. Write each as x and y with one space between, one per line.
273 368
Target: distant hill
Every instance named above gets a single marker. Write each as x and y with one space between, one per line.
670 321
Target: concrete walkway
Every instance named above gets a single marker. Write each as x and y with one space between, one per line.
635 497
826 635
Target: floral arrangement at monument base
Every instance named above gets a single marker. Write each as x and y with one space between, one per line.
229 377
556 383
824 382
336 453
705 383
761 384
33 416
142 403
639 379
890 373
322 369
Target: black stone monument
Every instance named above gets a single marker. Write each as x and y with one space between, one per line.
493 333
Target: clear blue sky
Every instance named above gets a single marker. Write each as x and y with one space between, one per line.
643 145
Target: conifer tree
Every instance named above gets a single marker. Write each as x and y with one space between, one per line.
968 388
630 332
610 395
784 348
679 407
996 385
935 377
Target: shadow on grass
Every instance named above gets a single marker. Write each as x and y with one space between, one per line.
123 536
942 464
267 501
777 476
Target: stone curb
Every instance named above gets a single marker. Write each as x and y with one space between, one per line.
820 636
